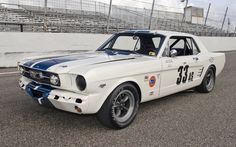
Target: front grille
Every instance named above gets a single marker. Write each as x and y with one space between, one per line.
38 75
37 94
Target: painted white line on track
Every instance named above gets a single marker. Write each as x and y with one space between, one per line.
9 73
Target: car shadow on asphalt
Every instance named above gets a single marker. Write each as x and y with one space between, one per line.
68 120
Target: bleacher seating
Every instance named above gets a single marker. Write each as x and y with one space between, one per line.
32 19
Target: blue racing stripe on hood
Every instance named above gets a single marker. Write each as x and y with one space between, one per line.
31 62
44 65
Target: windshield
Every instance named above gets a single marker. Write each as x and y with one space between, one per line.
146 44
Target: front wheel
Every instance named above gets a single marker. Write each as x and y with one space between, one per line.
208 82
120 108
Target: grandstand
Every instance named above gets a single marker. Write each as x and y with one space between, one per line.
29 18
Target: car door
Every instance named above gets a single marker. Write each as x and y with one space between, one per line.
198 61
179 72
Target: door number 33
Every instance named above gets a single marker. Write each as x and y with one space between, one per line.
184 75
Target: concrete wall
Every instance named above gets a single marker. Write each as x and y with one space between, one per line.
219 43
44 42
16 46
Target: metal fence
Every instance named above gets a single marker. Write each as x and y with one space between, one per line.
127 17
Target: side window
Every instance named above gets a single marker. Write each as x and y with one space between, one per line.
184 45
178 44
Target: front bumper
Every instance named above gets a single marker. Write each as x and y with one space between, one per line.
60 99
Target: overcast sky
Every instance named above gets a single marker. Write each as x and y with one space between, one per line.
217 11
218 6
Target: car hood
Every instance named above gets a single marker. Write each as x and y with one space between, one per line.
66 63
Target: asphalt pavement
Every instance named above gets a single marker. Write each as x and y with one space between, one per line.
187 118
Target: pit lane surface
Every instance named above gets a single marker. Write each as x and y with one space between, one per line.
184 119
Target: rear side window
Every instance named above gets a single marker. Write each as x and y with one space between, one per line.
192 46
195 48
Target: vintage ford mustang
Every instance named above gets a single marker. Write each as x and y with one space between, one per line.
131 67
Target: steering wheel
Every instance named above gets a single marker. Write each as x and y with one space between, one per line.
151 50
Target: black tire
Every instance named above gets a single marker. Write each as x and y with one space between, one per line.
108 116
208 82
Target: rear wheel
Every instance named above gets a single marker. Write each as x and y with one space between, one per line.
208 82
120 108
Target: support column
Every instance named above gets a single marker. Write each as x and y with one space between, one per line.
45 27
21 28
224 18
150 19
235 32
208 10
109 14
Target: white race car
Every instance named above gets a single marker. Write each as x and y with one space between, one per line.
131 67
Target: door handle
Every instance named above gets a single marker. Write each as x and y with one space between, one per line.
195 58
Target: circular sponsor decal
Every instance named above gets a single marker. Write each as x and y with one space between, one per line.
152 81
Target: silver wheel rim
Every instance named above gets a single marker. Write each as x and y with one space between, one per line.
123 106
210 81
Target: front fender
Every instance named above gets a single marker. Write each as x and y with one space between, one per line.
111 85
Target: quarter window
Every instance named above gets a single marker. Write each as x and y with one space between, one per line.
195 48
192 46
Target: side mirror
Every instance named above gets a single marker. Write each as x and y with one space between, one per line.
173 53
135 37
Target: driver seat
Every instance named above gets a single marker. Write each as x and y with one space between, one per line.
147 46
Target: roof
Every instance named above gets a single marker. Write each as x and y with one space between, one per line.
161 32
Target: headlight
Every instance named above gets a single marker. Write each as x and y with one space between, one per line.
21 70
18 65
54 80
81 82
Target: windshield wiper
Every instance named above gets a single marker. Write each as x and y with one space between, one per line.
131 51
109 51
113 51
